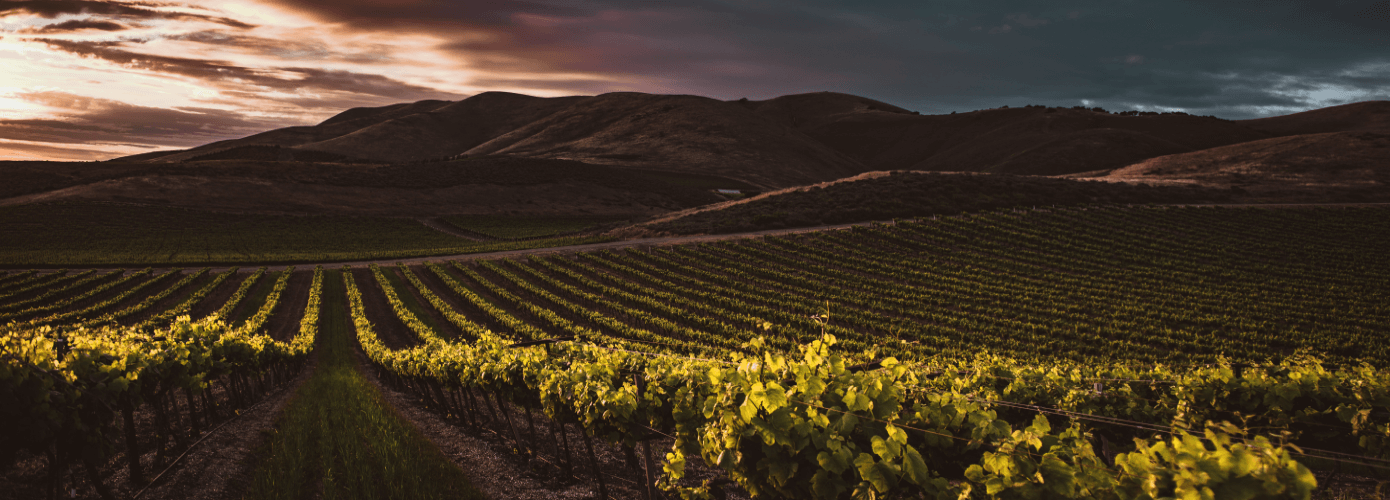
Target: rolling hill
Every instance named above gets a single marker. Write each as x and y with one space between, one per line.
779 143
776 143
1355 165
489 185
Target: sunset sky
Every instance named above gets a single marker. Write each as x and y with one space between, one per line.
88 80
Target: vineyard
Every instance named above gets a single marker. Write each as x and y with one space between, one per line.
108 234
1123 353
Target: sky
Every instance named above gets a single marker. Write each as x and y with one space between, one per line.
93 79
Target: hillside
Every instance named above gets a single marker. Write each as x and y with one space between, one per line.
652 132
1346 166
342 124
1357 116
1030 140
776 143
799 140
491 185
895 194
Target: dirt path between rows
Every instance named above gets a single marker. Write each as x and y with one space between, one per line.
672 240
283 324
222 466
389 328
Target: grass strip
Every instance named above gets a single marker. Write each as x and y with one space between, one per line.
340 439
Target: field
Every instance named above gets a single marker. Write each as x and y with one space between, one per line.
1064 353
521 227
108 234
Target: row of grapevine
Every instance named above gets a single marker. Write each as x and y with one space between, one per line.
21 278
164 317
35 281
64 303
809 426
65 284
112 317
242 291
72 390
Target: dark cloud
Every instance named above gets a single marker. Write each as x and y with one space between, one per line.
78 25
93 121
223 74
1229 58
1224 57
12 151
124 10
283 49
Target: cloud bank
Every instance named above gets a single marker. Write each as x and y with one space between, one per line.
125 77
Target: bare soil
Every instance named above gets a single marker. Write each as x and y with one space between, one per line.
215 465
169 302
388 327
445 327
222 465
527 296
163 283
218 297
504 305
453 300
108 294
254 298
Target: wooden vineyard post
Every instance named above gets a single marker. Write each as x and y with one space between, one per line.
192 411
516 436
94 477
555 439
641 382
464 413
132 445
530 424
491 417
593 461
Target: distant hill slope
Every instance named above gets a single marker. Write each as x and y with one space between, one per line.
897 194
448 130
1032 141
677 133
493 185
1356 163
775 143
339 125
1357 116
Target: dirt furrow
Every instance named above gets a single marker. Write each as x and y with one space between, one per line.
388 327
283 324
218 297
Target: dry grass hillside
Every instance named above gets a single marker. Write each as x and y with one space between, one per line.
1354 163
339 125
676 133
803 139
1357 116
1032 140
445 131
495 185
895 194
